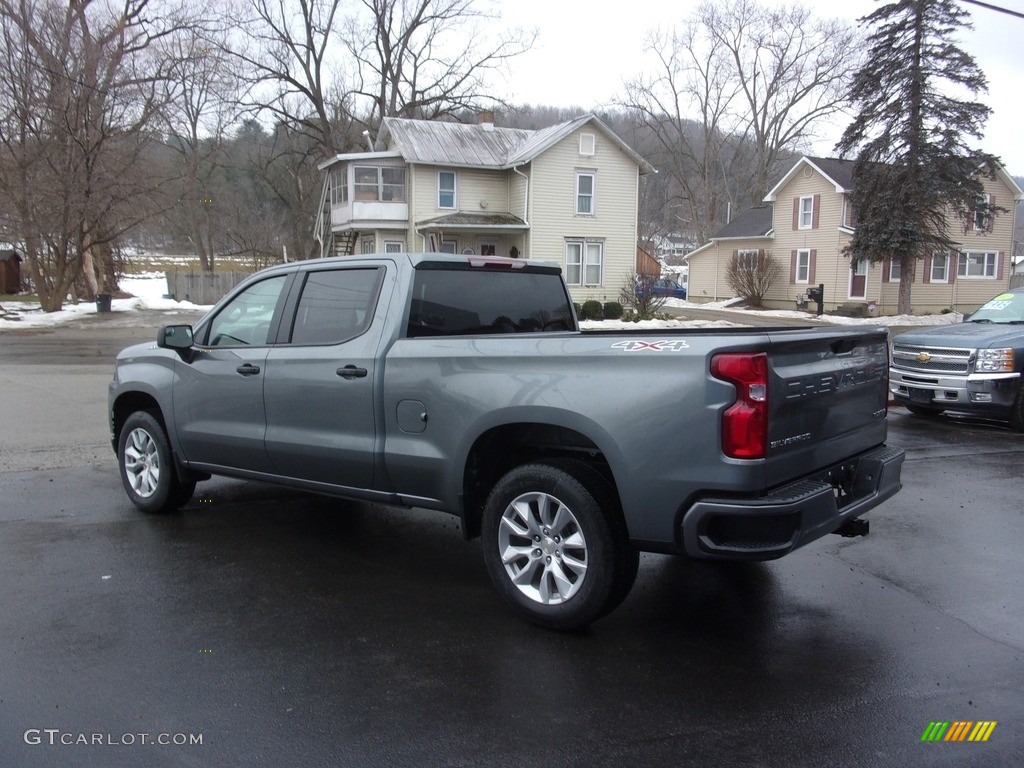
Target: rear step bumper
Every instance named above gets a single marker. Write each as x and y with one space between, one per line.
789 517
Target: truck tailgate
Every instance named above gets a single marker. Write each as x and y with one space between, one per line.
827 397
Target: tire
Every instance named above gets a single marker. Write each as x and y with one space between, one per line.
922 410
147 467
555 544
1017 409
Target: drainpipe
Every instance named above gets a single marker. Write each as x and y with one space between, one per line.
526 206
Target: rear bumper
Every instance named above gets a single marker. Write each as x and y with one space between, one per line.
770 526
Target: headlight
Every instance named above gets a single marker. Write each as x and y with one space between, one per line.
994 361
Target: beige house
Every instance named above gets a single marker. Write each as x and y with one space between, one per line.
568 194
807 221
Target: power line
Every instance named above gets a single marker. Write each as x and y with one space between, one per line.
1018 14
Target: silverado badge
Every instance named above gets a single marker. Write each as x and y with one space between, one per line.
923 357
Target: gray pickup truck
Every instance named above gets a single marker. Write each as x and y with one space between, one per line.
972 367
464 385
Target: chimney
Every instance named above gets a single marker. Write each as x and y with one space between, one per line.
485 120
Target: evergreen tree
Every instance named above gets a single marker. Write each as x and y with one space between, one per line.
914 164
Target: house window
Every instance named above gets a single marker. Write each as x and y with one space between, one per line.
895 270
339 186
488 249
393 246
981 217
584 262
806 212
449 246
392 185
977 265
588 144
368 245
373 183
940 266
803 266
585 183
747 260
446 189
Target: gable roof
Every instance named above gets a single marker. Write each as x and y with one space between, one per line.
837 172
753 222
462 145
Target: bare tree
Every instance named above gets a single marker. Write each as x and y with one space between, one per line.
751 275
202 103
79 95
738 86
428 58
286 55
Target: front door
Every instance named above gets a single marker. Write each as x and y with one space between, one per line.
218 395
859 279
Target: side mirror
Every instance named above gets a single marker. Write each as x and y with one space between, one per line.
176 337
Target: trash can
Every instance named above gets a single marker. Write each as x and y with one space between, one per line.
103 302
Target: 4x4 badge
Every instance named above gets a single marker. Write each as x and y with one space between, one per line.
656 346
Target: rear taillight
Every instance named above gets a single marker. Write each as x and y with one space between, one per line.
745 422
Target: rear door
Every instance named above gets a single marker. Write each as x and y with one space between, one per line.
320 382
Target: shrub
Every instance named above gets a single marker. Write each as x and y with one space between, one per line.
612 310
592 310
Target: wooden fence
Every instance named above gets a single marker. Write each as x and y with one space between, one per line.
202 287
1016 281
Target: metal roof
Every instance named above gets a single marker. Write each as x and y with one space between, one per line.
433 142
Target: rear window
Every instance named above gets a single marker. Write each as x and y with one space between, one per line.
459 302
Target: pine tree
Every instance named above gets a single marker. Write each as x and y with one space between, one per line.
911 137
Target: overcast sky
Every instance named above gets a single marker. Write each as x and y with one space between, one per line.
584 53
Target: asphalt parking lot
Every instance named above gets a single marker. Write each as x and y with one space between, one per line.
266 627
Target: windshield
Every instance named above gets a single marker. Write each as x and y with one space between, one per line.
1004 308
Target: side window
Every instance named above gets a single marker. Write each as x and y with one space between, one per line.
335 305
458 302
245 320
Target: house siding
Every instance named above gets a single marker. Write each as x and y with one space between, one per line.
960 293
832 268
553 215
476 191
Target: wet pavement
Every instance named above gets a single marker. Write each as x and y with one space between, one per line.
283 629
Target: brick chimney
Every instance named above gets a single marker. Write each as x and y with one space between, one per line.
485 119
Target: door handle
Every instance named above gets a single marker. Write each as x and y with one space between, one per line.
248 369
351 372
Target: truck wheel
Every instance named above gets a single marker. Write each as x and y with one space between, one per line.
147 468
555 544
1017 409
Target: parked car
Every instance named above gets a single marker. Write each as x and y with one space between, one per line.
667 287
971 367
464 385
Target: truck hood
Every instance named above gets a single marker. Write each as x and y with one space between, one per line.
971 335
143 349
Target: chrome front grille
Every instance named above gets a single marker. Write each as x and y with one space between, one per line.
933 360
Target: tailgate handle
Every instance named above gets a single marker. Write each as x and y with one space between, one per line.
844 346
